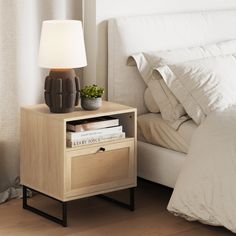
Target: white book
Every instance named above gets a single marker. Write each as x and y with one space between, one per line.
92 133
91 140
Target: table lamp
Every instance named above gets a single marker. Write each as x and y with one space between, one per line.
62 49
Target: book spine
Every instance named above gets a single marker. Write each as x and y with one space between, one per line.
92 140
72 127
93 125
72 135
100 125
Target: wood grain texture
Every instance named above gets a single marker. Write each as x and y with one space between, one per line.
90 171
48 166
42 153
101 168
96 217
107 108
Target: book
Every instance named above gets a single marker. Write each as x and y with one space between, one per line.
92 124
93 133
91 140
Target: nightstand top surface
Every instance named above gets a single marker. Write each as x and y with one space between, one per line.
107 108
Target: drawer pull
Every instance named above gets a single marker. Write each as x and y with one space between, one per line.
101 149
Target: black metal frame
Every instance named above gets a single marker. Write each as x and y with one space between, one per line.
63 220
130 205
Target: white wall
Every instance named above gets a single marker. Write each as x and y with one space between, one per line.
96 12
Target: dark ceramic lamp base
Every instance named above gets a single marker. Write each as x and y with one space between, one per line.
61 90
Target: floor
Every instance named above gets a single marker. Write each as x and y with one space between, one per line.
96 217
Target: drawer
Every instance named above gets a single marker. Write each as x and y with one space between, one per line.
100 168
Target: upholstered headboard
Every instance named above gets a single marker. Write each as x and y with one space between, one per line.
130 35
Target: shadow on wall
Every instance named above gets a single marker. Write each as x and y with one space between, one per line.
9 166
102 56
3 175
9 188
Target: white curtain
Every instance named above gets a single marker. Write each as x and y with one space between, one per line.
21 80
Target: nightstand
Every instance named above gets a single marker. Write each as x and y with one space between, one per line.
51 168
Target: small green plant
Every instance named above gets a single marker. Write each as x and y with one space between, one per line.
92 91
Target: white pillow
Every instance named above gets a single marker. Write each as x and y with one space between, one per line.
203 85
150 102
171 109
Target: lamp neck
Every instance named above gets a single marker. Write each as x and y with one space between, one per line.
61 69
62 73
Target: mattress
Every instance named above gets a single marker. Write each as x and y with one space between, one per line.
154 130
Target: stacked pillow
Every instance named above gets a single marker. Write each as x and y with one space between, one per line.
165 71
149 101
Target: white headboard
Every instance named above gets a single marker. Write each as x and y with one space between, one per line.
130 35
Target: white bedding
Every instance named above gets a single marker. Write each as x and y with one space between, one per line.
205 189
153 129
130 35
171 107
207 90
203 85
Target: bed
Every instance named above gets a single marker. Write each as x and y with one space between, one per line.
131 35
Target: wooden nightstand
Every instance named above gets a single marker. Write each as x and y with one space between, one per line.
49 167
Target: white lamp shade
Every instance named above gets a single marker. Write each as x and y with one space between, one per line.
62 44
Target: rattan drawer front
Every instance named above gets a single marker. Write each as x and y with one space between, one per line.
107 167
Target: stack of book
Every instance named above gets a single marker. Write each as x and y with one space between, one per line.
94 130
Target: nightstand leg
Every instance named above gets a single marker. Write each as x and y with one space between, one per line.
62 221
129 206
24 197
131 199
64 214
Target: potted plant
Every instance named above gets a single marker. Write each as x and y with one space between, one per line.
91 97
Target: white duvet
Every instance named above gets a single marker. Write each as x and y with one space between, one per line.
206 187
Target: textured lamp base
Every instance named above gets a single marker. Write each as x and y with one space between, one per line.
61 90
